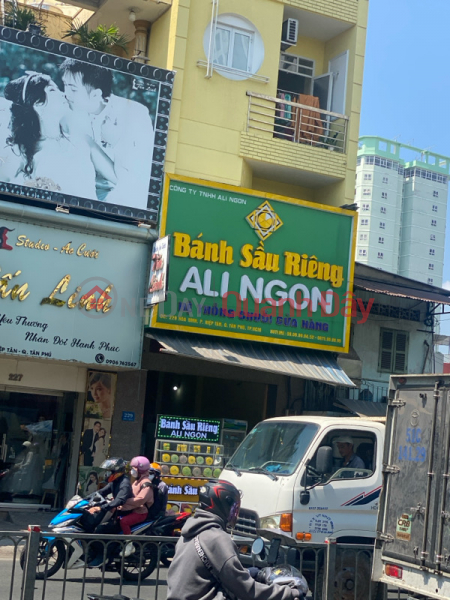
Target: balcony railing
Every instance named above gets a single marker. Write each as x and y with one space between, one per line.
298 123
373 391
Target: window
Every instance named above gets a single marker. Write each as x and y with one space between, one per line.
362 252
430 280
393 351
364 221
435 208
363 237
232 48
435 194
365 206
384 195
432 237
279 444
367 176
385 180
382 225
366 192
383 210
381 240
432 251
238 47
380 255
433 223
431 267
364 444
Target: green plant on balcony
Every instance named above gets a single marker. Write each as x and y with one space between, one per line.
331 141
20 18
102 38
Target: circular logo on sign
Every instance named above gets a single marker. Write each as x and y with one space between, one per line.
99 358
414 418
96 297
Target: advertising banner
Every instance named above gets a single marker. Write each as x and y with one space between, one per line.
157 286
255 266
71 296
98 411
81 128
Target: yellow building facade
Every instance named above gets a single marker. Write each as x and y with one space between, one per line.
247 72
232 128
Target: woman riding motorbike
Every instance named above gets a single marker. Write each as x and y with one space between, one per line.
135 509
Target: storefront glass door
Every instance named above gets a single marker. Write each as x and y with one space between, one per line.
35 441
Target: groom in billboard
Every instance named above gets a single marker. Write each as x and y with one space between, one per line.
119 131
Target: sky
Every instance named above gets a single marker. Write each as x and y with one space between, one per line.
406 89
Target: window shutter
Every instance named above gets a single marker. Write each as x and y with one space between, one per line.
386 350
401 349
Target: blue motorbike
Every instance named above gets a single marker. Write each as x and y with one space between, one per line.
55 553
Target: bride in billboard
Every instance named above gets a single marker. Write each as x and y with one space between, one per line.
39 152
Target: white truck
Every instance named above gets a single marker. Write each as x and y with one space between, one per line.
292 478
412 549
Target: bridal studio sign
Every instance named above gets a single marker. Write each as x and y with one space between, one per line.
70 296
81 128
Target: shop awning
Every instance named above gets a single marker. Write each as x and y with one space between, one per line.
307 364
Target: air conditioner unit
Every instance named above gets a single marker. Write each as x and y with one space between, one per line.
289 33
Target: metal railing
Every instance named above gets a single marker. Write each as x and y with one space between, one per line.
334 571
297 123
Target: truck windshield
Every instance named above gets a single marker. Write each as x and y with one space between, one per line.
274 447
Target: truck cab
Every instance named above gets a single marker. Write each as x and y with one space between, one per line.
297 476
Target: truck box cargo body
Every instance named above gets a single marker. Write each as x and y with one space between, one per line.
412 549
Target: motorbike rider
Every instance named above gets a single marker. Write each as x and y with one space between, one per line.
135 510
160 493
120 487
222 574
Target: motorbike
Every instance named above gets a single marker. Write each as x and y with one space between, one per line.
277 557
273 555
56 552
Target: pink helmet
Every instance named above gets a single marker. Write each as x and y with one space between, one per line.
140 463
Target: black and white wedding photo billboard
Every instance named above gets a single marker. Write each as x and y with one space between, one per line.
81 128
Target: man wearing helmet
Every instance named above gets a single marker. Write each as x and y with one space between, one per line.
119 487
135 509
203 537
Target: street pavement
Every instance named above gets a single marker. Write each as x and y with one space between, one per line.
73 588
55 588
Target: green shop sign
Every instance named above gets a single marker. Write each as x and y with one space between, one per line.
255 266
185 429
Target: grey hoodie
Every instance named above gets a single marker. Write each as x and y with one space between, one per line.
189 579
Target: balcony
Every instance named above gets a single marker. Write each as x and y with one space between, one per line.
372 391
118 11
296 136
338 10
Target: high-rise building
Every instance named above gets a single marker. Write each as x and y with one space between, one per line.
401 193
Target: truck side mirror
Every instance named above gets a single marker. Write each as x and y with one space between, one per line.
324 460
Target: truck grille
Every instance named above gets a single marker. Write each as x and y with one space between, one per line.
248 522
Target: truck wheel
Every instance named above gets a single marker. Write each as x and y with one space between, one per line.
349 576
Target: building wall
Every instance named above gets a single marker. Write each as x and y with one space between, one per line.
366 339
372 182
422 243
415 206
208 135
